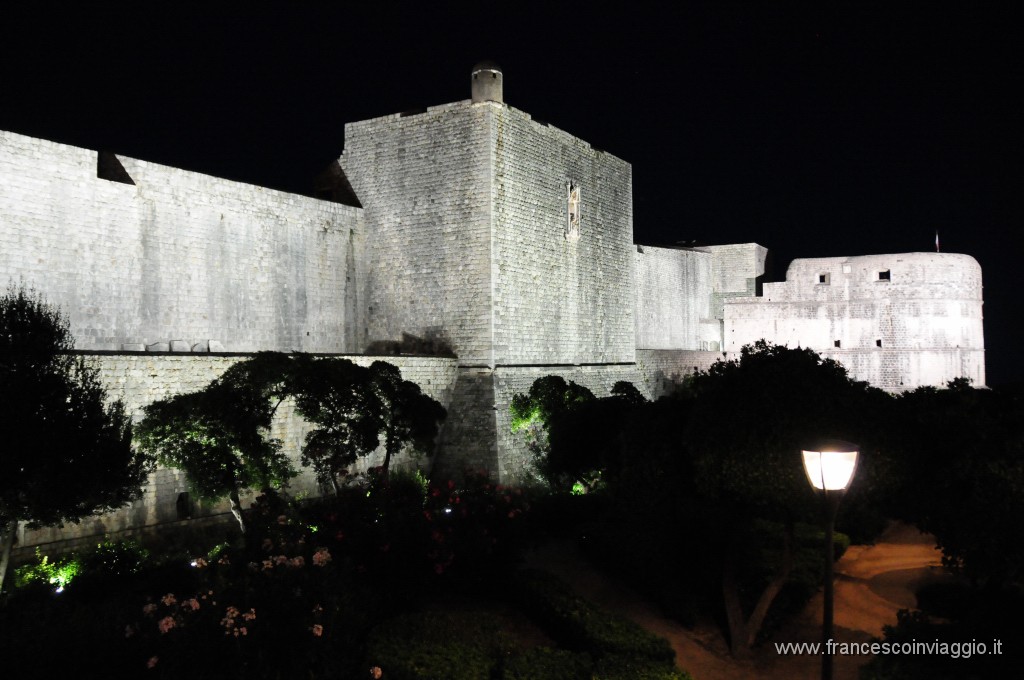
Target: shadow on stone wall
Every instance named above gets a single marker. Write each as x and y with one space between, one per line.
435 343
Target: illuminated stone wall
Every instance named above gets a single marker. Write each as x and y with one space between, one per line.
896 321
559 299
139 379
424 181
673 296
177 257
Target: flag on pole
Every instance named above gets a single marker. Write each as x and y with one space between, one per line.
937 241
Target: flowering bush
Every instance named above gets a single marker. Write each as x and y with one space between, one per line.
279 608
296 600
477 527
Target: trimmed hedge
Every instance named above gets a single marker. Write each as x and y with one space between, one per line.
438 645
632 668
581 625
544 663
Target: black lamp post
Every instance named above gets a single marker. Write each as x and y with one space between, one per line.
829 467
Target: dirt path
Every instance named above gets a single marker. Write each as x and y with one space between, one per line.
872 584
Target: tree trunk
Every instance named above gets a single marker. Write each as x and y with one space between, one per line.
738 634
388 446
5 552
764 603
334 483
742 630
236 509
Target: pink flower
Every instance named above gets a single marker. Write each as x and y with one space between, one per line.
267 564
249 615
321 557
166 624
152 661
376 673
200 562
297 562
149 609
281 559
224 561
317 629
168 599
192 604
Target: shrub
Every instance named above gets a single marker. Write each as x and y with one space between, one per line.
544 663
583 626
436 645
116 558
58 573
617 667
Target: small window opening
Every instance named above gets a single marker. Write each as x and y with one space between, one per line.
878 342
836 344
572 227
884 275
823 278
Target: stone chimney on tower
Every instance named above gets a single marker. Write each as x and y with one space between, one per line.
486 82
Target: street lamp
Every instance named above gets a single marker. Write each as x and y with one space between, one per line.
829 467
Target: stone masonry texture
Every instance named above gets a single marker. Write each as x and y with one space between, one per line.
498 243
176 257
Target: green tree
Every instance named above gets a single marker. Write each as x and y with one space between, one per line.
407 416
534 415
218 436
749 420
959 466
338 398
586 441
65 452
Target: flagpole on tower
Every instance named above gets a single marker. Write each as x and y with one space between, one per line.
937 241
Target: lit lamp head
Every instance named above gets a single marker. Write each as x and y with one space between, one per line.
830 465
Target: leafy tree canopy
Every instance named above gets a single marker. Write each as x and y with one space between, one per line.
408 417
219 435
750 418
65 452
338 398
959 468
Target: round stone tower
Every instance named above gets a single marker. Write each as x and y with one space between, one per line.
486 81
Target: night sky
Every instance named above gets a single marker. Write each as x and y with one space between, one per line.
815 131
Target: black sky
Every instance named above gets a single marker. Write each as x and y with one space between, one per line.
815 129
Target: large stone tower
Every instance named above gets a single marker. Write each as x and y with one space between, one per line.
502 238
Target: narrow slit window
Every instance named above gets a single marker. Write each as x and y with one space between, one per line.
572 227
884 275
837 344
878 342
823 278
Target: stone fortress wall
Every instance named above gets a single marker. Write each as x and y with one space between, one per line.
140 378
158 255
559 298
423 180
896 321
470 230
